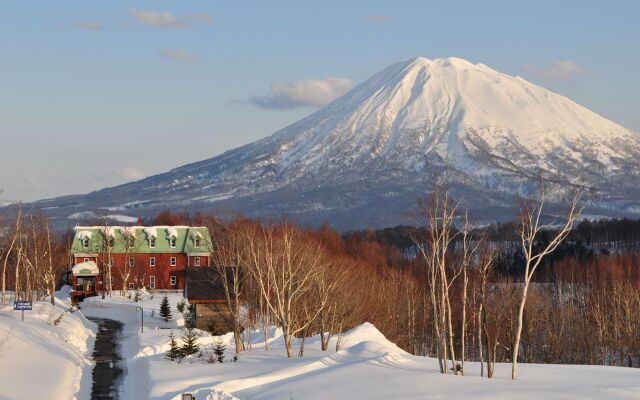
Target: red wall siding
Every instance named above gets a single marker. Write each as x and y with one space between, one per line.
162 270
204 261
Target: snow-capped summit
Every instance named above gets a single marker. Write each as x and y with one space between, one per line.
364 158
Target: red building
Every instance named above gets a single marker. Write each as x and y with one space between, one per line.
154 257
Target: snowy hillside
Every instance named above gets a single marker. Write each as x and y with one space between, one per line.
364 158
40 359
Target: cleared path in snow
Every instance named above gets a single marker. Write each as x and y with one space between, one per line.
133 381
107 371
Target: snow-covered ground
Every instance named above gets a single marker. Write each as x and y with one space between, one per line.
367 367
42 360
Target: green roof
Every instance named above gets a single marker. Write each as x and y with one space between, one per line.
185 239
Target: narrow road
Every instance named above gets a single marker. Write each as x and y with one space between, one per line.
107 371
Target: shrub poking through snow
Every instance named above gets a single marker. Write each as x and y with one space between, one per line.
57 321
137 297
190 344
181 306
174 350
165 310
219 349
209 355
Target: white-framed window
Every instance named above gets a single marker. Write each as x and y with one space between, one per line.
172 242
85 243
132 261
152 261
196 261
173 280
131 285
152 282
152 242
86 259
174 261
196 242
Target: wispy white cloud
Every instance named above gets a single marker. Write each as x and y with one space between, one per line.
131 173
88 26
378 19
177 54
163 19
158 19
200 17
307 92
558 71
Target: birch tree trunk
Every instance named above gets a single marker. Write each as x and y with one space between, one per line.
529 230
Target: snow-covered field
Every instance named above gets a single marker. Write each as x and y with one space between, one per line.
42 360
367 367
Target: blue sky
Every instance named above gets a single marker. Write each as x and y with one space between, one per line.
97 93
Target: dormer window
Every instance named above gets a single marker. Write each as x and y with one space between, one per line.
152 242
172 242
132 242
110 242
85 243
197 237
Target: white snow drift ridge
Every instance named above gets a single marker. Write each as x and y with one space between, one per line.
364 158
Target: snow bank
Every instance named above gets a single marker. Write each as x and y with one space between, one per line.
368 334
368 366
42 360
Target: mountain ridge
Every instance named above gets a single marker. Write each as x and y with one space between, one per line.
378 147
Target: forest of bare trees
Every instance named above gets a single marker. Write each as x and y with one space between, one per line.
465 297
33 257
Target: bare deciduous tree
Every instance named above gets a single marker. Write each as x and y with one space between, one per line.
530 228
13 235
284 263
228 255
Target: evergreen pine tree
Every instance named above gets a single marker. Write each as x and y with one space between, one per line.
174 351
190 344
219 349
165 310
181 306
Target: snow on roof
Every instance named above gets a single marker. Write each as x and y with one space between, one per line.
84 235
109 231
85 266
172 231
128 230
151 231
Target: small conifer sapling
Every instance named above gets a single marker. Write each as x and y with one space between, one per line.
174 350
190 344
165 310
218 349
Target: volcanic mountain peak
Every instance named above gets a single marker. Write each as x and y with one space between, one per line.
379 146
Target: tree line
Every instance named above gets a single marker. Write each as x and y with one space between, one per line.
465 296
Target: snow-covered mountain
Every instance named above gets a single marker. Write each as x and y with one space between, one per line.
364 159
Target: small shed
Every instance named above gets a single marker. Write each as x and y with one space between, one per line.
205 290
